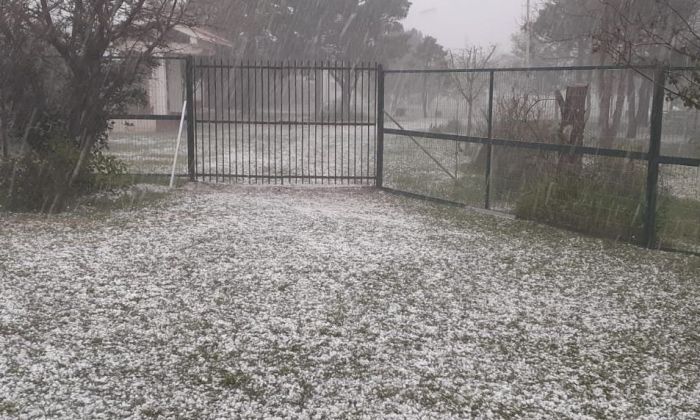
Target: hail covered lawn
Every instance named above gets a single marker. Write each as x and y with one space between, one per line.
309 302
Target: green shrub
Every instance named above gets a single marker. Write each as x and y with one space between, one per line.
606 200
32 181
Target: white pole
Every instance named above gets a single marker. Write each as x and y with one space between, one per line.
177 147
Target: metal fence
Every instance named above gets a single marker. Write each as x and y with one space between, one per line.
285 123
499 139
591 149
293 122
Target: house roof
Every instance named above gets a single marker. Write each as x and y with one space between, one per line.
201 34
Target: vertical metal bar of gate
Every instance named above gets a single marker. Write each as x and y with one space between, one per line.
189 87
247 115
343 99
274 118
315 113
301 121
270 141
380 127
296 121
362 119
320 100
370 117
354 121
228 114
255 119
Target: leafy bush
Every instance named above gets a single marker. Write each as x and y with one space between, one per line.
32 181
606 200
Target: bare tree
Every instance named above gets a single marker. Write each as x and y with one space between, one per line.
471 85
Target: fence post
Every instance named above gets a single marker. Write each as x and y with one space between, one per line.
489 147
653 158
380 126
189 87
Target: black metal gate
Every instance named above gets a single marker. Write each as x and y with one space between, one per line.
283 123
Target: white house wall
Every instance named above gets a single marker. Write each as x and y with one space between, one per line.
158 90
175 86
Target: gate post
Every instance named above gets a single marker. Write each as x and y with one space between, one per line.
489 147
653 158
380 126
189 87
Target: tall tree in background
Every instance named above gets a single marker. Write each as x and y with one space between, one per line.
630 32
20 77
347 30
655 32
352 31
563 31
413 58
429 54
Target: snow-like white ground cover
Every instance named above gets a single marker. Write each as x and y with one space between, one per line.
227 302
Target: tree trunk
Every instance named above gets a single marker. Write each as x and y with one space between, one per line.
85 124
642 117
25 137
605 86
397 94
470 117
573 121
580 59
605 99
346 86
4 142
631 106
614 126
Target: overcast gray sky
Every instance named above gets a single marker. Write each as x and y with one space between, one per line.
456 23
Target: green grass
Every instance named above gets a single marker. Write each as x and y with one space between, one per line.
126 199
8 407
584 205
680 225
466 190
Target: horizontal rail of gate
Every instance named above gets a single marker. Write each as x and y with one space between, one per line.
277 123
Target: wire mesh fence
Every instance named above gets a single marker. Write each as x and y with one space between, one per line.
436 169
145 138
149 149
568 147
